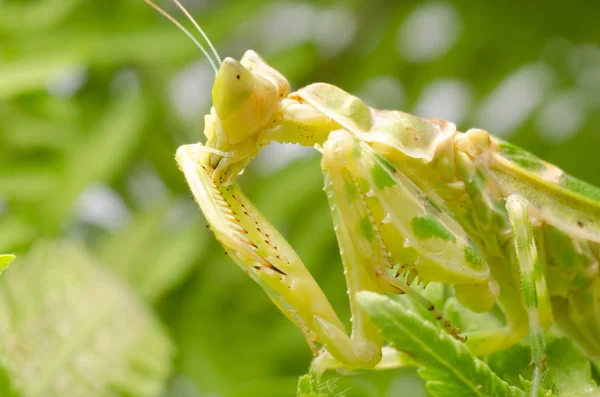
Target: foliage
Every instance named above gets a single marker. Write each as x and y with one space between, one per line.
5 261
102 343
569 371
95 97
449 369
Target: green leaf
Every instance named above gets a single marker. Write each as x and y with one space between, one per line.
7 385
5 261
68 328
569 370
512 364
447 366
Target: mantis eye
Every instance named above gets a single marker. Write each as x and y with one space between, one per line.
232 88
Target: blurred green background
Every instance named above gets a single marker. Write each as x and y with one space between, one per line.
95 97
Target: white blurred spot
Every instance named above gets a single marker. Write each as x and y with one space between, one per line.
589 83
382 92
190 90
277 155
286 24
429 32
514 99
100 205
556 53
125 80
445 99
562 117
145 186
334 29
67 82
181 214
583 56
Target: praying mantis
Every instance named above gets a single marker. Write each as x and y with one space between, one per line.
411 198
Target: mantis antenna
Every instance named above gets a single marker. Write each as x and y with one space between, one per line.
187 14
184 30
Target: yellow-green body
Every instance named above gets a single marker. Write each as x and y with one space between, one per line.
410 198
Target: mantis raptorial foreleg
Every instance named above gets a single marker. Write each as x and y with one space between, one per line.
386 227
258 248
355 207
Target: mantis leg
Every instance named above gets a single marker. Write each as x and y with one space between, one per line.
258 248
386 227
532 276
533 294
510 262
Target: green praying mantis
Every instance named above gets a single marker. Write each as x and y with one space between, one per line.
411 198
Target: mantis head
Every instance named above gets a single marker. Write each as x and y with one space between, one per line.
246 101
245 96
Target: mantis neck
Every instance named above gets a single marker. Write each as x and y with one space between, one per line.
300 123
